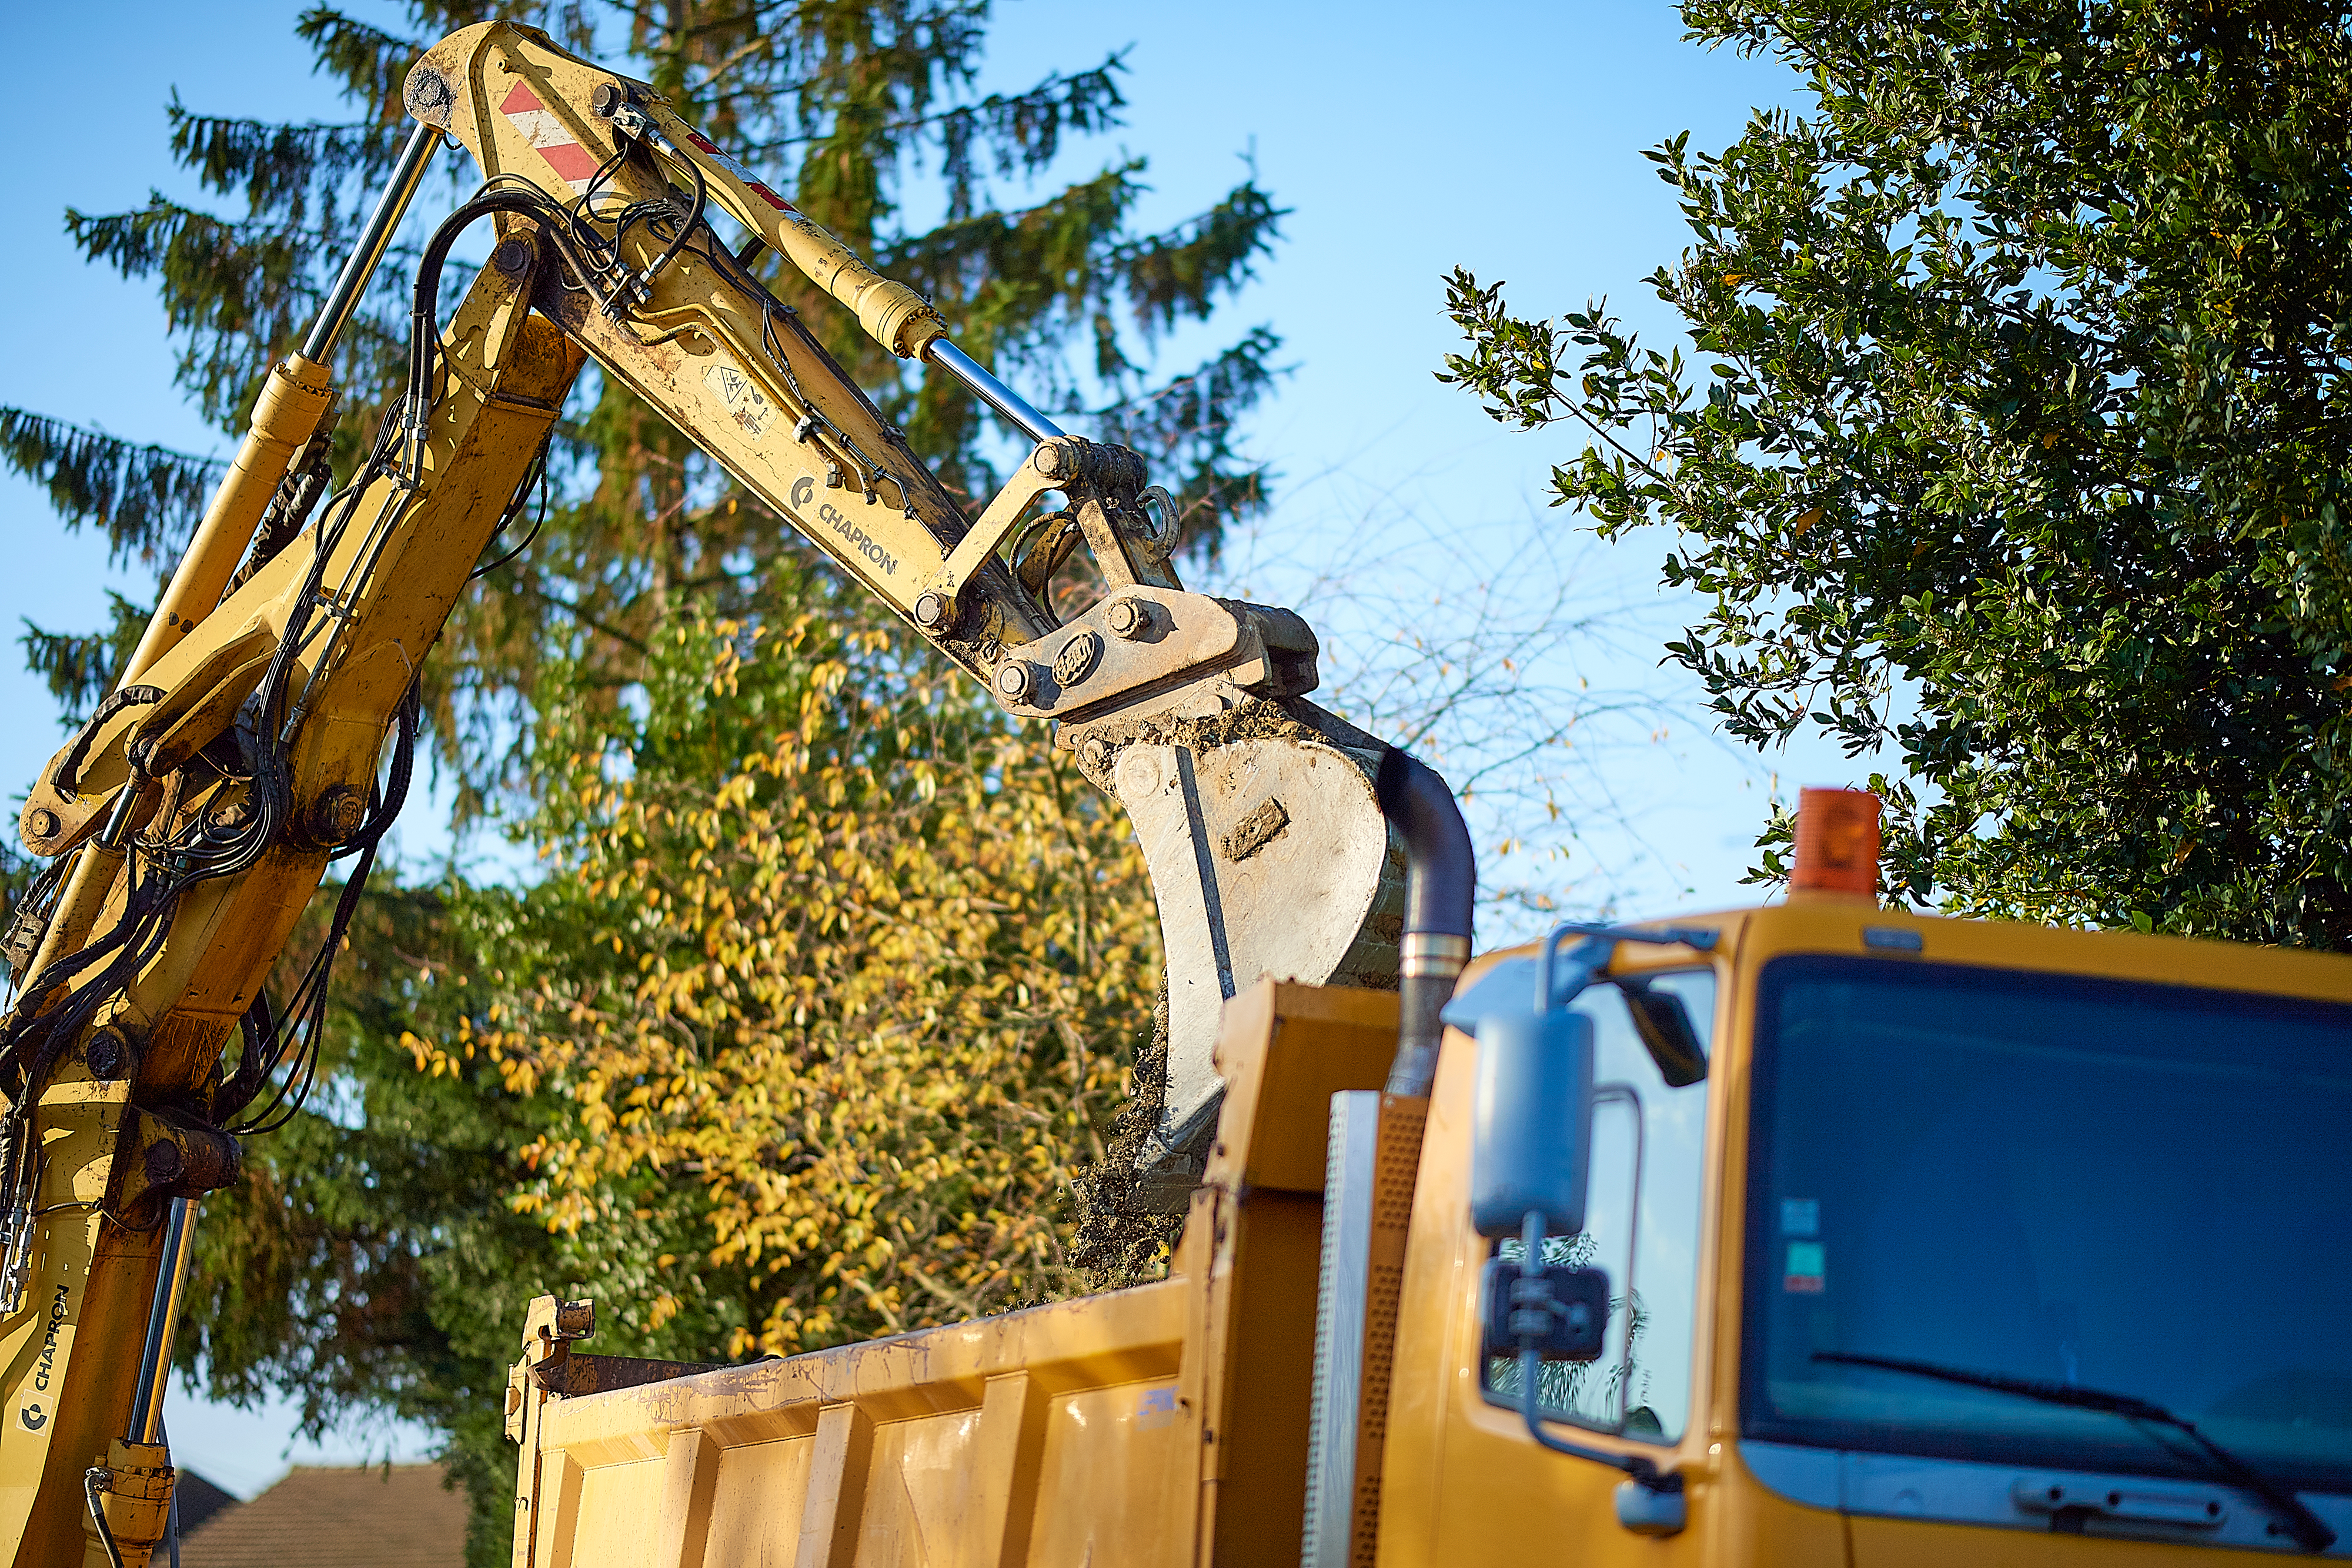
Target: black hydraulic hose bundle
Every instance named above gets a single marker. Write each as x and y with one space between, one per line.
1441 884
160 872
424 337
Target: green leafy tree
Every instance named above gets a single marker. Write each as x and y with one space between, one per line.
379 1253
2015 442
876 1007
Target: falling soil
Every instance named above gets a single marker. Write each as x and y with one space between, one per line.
1126 1229
1122 1239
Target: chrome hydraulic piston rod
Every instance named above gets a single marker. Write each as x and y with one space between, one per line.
162 1324
990 391
343 301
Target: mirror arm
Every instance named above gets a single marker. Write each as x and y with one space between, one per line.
1586 964
1588 960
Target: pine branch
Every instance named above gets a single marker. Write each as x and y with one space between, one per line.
280 169
1024 130
1016 271
1183 271
146 498
1019 134
235 263
79 670
238 292
372 64
1191 426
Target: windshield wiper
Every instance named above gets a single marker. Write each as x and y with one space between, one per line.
2310 1531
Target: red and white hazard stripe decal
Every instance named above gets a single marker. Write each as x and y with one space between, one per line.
539 127
702 144
577 165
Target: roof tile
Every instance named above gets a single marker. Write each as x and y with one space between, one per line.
371 1516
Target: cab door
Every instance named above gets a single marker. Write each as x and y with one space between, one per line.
1464 1482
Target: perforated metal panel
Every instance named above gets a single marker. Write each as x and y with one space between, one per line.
1339 1299
1396 1166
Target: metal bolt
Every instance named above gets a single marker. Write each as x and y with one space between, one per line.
1127 618
107 1053
1049 459
512 257
165 1164
41 822
1014 681
932 611
1094 755
338 815
1139 774
607 97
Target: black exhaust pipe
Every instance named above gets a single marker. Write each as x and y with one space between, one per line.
1441 884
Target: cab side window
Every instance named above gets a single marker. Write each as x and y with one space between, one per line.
1648 1136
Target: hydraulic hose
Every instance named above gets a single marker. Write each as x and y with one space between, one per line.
1441 884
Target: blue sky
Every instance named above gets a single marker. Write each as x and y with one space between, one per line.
1405 140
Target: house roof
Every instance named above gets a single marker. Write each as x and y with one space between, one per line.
378 1516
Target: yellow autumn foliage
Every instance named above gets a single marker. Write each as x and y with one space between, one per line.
837 963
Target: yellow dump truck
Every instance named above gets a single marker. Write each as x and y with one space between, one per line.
1918 1241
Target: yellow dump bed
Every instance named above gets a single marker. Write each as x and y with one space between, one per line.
1142 1426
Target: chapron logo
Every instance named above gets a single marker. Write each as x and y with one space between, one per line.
33 1416
49 1341
832 517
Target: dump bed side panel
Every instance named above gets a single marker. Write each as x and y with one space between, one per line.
949 1447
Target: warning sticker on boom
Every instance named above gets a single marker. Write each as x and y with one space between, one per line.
744 400
545 131
751 181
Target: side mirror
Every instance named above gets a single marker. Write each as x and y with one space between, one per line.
1666 1030
1531 1120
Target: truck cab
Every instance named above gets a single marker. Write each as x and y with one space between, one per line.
2060 1159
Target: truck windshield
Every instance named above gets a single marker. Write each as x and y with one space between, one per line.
2076 1181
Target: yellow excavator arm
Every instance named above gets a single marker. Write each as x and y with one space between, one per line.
263 728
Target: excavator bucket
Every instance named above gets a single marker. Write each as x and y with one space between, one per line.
1269 859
